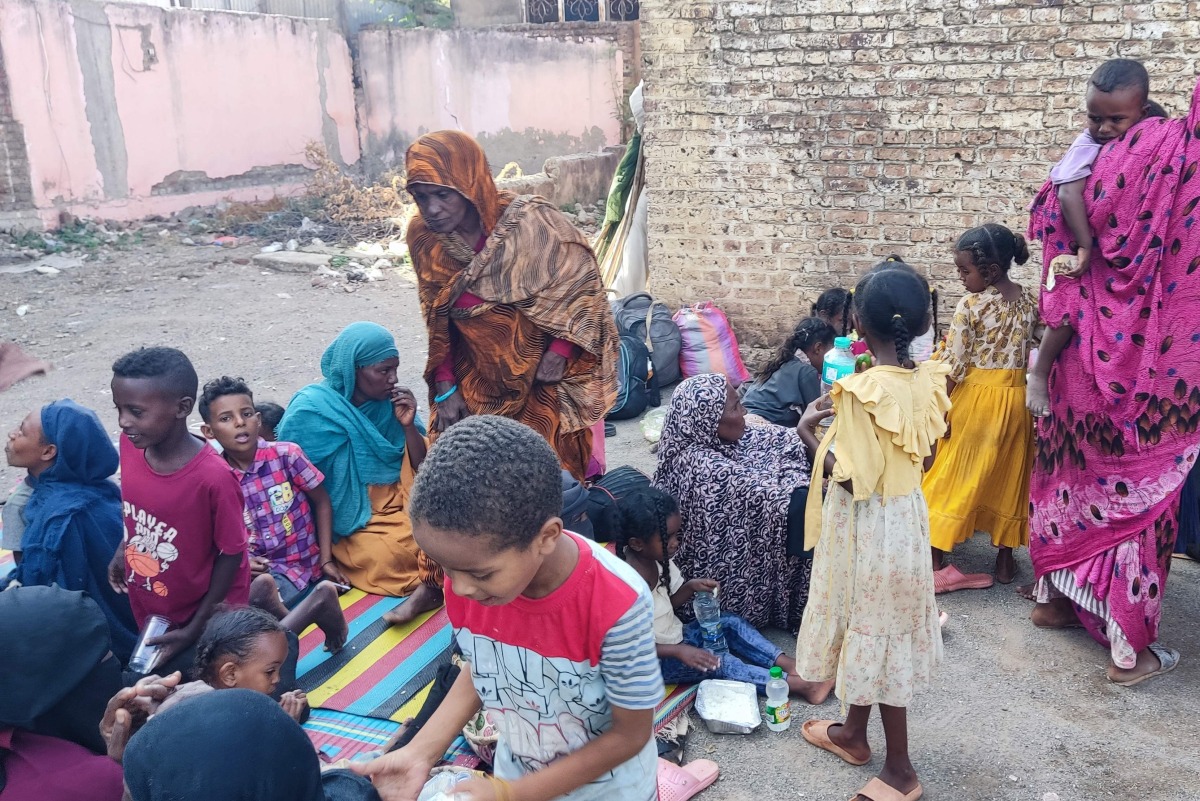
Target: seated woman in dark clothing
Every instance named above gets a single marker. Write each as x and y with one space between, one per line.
741 492
57 674
73 516
792 379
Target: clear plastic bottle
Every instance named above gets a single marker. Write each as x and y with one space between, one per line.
779 709
839 363
708 615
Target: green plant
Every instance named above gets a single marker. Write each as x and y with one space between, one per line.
419 13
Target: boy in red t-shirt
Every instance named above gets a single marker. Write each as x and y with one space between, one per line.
185 542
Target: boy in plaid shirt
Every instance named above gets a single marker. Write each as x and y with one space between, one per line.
288 514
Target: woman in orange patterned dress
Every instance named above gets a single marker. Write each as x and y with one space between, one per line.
518 321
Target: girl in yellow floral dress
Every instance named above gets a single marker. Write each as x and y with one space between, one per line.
871 621
980 480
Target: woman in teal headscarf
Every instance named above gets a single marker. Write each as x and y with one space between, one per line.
361 430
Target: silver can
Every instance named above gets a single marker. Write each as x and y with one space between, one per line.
145 657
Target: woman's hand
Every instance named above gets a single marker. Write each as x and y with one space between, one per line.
818 410
551 368
131 707
398 776
404 406
698 658
294 703
452 409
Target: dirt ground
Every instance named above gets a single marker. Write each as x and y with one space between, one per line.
1016 713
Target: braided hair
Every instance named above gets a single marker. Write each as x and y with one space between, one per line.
642 514
895 262
808 332
994 244
893 303
233 634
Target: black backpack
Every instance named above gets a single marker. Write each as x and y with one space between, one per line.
636 384
663 340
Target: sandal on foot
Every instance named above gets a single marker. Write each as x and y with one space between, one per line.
879 790
677 783
950 579
817 733
1168 660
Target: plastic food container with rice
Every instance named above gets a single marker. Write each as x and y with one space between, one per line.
728 707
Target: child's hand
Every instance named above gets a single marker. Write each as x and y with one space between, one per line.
259 565
818 410
476 790
174 642
334 573
116 572
404 406
698 658
703 585
398 776
294 703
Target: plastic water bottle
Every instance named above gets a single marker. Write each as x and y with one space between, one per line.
779 710
839 363
708 615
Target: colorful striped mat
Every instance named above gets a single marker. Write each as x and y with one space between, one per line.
383 672
6 561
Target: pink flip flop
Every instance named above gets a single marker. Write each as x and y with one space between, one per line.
677 783
950 579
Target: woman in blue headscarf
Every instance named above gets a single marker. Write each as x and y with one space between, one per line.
73 517
362 432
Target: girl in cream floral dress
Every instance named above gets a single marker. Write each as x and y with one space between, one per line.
871 621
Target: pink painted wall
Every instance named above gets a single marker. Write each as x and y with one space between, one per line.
186 107
525 98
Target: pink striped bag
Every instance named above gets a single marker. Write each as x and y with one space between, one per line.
709 344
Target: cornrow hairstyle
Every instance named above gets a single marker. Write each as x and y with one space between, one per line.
831 302
219 388
895 303
642 514
1121 73
489 477
895 262
808 332
993 243
168 367
233 633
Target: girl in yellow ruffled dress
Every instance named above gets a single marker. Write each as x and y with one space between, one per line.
871 621
980 480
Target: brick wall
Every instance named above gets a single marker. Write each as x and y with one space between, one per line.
15 190
793 143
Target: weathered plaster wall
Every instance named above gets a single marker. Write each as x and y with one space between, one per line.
485 13
525 99
128 110
793 143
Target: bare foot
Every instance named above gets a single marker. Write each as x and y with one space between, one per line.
265 596
423 599
788 664
859 749
815 692
1006 566
1028 591
1057 614
321 607
1037 395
